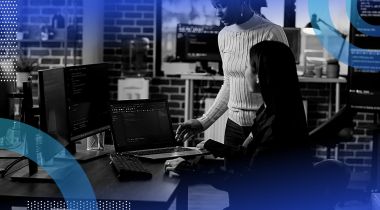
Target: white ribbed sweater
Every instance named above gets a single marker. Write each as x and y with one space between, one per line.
235 42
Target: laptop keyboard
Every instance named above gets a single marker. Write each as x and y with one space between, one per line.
160 151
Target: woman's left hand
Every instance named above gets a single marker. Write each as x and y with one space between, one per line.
171 165
201 145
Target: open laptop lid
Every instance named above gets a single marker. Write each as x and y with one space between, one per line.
141 124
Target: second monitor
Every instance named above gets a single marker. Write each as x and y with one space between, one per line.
74 103
294 39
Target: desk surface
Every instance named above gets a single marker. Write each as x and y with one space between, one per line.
160 189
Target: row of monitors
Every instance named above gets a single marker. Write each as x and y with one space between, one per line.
74 100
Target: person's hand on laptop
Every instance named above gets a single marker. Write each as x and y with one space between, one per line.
188 130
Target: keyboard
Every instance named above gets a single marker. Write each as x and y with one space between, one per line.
160 151
129 167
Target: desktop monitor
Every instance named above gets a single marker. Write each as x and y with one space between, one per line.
197 43
74 103
294 39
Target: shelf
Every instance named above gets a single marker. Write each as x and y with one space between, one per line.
316 59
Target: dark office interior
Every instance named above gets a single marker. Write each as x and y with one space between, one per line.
63 62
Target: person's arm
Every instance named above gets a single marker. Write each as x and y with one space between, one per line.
221 150
276 33
219 106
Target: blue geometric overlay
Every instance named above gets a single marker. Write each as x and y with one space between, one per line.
68 175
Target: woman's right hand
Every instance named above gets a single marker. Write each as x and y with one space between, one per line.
188 130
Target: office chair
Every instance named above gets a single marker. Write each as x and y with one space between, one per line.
332 176
335 130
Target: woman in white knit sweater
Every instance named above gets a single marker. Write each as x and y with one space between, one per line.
243 29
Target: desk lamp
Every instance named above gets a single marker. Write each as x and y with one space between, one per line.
314 23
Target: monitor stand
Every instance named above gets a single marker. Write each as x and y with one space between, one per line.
26 174
34 173
87 155
81 154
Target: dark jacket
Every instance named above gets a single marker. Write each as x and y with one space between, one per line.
280 128
278 160
266 148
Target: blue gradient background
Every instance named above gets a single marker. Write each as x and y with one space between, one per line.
82 188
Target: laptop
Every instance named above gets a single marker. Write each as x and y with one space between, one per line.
143 128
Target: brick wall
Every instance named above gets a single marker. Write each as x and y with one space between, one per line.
124 21
358 152
33 15
129 19
173 89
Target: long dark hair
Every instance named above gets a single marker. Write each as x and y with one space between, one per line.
278 80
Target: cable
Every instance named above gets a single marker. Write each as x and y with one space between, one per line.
4 171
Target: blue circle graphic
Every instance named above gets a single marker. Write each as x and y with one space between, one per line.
321 9
360 24
68 175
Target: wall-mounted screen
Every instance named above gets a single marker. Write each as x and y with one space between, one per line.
364 76
174 12
197 43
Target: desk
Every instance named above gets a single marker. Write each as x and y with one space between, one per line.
189 91
157 193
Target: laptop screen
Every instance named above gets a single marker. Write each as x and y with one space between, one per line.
141 124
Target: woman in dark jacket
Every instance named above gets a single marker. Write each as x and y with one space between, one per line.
276 157
275 160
